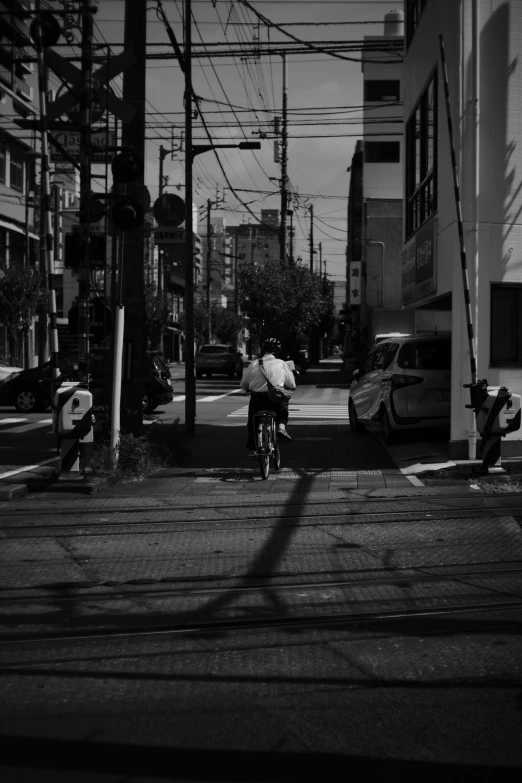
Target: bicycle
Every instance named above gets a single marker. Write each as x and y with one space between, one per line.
267 445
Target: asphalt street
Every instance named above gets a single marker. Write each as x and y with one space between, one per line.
336 620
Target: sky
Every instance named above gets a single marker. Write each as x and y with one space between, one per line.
241 95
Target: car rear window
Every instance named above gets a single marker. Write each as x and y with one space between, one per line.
159 364
213 349
426 355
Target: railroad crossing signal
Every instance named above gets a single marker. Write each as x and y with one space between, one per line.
101 93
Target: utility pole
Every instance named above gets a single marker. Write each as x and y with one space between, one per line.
320 257
190 379
209 258
311 209
133 135
290 212
85 187
163 152
284 164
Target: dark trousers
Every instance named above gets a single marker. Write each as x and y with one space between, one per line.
260 402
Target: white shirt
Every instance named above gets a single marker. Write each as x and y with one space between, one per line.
276 369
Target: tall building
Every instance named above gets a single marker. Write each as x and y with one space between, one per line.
18 232
482 48
374 247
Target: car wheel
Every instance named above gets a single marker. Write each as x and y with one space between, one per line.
230 374
199 374
27 401
355 424
239 373
388 434
209 375
149 403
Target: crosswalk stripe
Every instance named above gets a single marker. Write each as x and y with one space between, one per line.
16 420
27 427
304 412
214 397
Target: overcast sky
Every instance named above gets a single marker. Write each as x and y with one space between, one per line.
320 88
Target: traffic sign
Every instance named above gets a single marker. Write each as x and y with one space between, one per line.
169 236
169 210
102 94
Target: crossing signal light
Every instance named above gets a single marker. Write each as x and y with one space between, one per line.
127 167
45 29
128 212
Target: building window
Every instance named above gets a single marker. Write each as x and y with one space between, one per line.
382 90
421 159
382 151
506 325
414 9
16 172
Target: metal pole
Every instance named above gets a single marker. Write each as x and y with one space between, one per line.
209 239
284 161
46 229
85 186
311 208
190 380
463 262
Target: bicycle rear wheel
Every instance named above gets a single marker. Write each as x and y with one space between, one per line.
263 442
277 453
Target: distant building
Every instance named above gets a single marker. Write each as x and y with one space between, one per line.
374 246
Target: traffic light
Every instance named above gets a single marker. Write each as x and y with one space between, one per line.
128 212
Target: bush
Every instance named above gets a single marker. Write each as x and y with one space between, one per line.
138 457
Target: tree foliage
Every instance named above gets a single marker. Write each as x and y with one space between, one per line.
283 300
20 294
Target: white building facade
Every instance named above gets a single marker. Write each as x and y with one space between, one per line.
482 48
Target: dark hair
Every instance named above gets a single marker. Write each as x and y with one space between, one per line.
271 345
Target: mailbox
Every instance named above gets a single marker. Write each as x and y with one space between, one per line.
72 412
500 412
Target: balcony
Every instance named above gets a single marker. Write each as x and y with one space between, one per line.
23 89
19 55
6 76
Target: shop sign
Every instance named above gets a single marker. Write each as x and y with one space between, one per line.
169 236
355 282
70 141
419 277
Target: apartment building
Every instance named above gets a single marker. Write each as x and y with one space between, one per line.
482 48
18 229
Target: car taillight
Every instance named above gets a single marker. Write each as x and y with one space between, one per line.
399 381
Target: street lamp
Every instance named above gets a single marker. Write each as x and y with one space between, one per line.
191 150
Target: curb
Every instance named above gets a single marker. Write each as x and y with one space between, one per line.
47 479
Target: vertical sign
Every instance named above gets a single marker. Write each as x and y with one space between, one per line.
419 277
355 282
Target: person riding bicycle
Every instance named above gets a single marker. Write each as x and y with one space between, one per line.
255 381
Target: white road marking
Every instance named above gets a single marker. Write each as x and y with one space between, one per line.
214 397
28 467
304 412
31 426
179 398
12 421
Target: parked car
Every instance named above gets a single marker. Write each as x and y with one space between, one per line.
7 369
404 384
29 391
219 360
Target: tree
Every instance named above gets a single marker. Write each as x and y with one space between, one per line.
225 324
282 300
157 314
20 295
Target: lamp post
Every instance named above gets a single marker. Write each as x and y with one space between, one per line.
190 153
